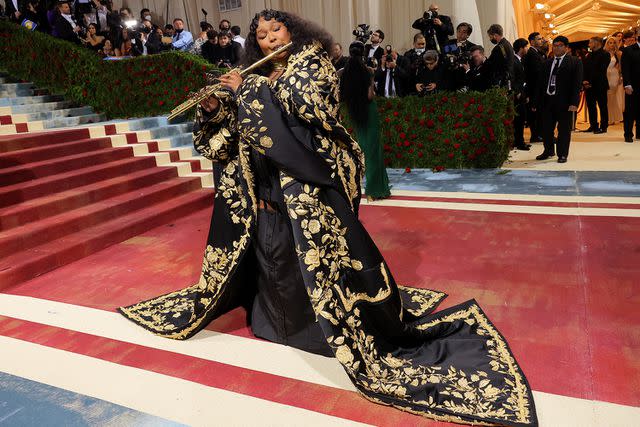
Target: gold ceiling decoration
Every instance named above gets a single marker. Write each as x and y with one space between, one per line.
581 19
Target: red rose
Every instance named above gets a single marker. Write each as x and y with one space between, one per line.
407 143
413 136
387 119
398 156
466 105
480 108
395 114
447 141
441 119
422 122
420 154
430 123
161 103
424 109
439 131
407 170
451 155
411 151
420 145
399 143
402 135
445 99
387 147
456 145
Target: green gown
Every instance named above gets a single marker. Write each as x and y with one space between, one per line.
377 181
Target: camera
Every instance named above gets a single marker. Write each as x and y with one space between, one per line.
429 15
362 33
389 51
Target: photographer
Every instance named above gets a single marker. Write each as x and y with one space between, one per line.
390 79
373 50
457 53
501 60
435 28
461 43
433 77
477 73
413 57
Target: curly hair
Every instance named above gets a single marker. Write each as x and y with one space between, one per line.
303 32
354 85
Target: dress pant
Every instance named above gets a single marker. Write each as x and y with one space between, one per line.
556 114
281 310
631 114
534 119
518 123
598 97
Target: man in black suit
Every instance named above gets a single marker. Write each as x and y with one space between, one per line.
477 74
533 63
596 85
501 60
559 90
391 77
520 96
631 79
436 28
12 10
373 50
65 25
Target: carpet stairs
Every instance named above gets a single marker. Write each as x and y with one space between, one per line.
68 193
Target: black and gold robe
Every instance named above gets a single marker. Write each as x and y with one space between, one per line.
453 365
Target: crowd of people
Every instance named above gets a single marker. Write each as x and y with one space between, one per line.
441 59
114 33
607 74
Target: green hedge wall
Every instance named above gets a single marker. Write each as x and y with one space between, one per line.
455 130
137 87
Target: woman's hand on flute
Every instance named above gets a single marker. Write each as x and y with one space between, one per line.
231 80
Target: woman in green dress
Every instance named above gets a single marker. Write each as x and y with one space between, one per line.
357 93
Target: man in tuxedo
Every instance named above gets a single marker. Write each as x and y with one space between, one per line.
596 85
373 50
501 60
533 63
520 96
65 25
559 91
435 28
630 63
12 10
477 74
390 78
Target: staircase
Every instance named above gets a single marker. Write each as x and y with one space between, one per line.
24 108
66 194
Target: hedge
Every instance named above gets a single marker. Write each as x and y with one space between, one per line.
453 130
136 87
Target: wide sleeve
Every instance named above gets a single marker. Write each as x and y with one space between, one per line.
215 134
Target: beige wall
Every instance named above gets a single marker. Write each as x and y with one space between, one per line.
394 17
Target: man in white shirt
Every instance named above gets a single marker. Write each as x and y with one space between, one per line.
182 39
235 31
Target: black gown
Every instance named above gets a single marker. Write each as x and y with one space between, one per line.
451 365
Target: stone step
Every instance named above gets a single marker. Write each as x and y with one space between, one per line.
52 114
61 122
36 108
29 100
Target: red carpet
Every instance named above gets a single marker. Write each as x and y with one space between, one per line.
64 196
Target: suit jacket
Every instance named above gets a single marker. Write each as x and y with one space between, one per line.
500 64
568 81
442 31
519 81
595 69
631 67
377 54
399 79
533 63
65 30
10 9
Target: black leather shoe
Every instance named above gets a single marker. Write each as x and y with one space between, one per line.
536 139
544 156
562 159
628 140
599 131
589 129
523 147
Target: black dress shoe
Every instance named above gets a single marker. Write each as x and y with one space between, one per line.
562 159
599 131
536 139
523 147
628 140
589 129
544 156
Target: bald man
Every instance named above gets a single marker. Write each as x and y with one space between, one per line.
436 28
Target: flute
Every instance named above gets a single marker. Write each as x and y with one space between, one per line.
204 93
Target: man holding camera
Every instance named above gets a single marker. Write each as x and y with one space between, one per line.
433 76
373 50
477 76
436 28
391 79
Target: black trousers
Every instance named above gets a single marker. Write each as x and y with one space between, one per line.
281 310
518 123
597 97
632 114
556 114
534 119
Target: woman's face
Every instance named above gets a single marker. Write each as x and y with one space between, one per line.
611 44
92 30
224 40
272 35
107 45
